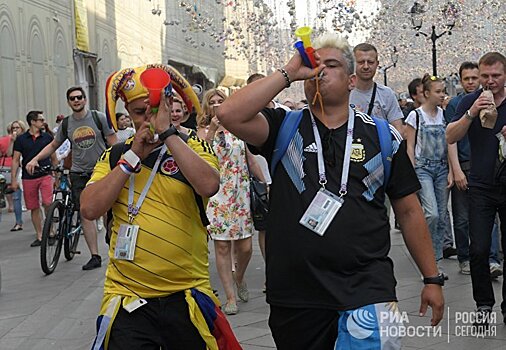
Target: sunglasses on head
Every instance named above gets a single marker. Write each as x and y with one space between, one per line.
73 98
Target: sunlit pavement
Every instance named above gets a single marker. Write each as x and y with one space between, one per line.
59 311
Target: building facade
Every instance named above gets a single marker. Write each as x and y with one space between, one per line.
41 56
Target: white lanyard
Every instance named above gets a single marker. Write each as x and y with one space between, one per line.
347 153
134 210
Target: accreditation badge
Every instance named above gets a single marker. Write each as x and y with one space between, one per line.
125 243
321 211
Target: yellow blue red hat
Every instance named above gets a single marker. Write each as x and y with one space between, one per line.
126 84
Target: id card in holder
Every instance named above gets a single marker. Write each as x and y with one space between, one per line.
321 211
125 243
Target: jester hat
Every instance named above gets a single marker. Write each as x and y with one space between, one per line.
126 84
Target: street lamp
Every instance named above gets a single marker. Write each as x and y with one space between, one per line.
394 56
417 22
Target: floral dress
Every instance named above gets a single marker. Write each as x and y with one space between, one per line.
229 210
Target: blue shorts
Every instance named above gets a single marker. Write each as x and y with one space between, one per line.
368 327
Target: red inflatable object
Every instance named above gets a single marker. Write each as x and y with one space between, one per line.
155 80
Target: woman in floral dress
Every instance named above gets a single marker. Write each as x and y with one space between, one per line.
229 210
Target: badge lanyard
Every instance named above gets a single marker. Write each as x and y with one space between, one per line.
347 153
134 210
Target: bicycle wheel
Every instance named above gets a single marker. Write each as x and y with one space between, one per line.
52 237
71 238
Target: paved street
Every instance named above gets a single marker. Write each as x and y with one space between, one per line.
58 311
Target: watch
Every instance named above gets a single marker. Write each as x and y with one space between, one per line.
468 116
132 158
439 279
169 132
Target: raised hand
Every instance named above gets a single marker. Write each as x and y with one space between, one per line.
143 143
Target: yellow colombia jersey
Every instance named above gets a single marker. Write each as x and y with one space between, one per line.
171 253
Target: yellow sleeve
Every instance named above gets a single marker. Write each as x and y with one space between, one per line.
204 150
102 167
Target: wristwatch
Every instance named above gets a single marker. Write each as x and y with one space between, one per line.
132 159
468 116
169 132
439 279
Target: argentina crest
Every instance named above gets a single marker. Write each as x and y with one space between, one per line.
357 151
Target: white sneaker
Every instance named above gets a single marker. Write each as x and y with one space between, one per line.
465 268
495 270
441 271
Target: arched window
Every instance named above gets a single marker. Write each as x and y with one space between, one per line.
60 68
8 79
38 82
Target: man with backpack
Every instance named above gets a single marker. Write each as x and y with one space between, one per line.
328 238
88 132
370 97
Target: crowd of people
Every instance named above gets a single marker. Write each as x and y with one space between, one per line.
176 177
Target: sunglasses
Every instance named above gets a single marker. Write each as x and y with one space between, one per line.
73 98
40 120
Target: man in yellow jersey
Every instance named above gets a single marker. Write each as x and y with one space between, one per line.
157 186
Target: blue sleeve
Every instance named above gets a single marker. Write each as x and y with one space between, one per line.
451 109
465 103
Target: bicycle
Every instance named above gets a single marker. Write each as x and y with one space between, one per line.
62 225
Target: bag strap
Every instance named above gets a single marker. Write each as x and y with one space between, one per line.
286 132
373 98
98 123
385 140
65 127
247 160
417 126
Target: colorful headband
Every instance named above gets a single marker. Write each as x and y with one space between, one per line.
126 84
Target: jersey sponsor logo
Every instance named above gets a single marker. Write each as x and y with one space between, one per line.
84 137
169 167
357 151
129 85
311 148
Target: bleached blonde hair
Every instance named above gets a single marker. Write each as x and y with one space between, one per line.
334 40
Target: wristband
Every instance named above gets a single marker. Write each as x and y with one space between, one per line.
169 132
287 78
132 159
125 165
124 169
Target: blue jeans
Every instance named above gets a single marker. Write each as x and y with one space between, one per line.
494 246
433 177
18 209
448 235
460 212
484 204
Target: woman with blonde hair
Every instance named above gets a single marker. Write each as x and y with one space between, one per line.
428 151
229 210
14 129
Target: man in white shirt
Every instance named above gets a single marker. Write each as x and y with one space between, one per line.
369 97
